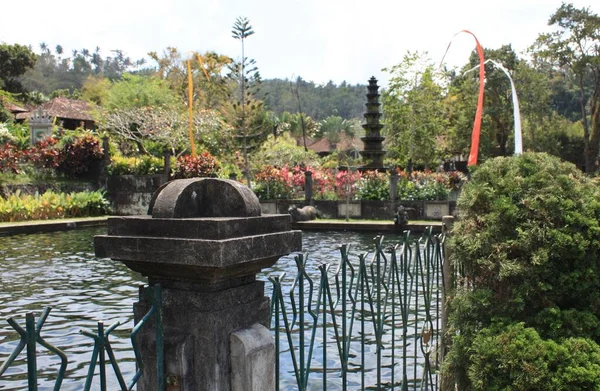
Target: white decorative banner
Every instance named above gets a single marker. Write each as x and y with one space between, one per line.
515 102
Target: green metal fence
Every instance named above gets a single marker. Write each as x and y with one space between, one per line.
371 322
102 355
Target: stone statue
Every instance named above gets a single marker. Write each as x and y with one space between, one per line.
303 214
401 216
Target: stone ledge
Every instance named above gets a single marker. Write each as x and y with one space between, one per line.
198 259
215 228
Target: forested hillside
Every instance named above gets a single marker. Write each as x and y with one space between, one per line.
316 101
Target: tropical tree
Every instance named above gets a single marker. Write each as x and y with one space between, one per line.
333 126
15 60
211 87
573 47
415 113
246 113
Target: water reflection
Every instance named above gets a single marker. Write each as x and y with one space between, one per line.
60 270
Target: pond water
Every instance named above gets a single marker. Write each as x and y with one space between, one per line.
61 271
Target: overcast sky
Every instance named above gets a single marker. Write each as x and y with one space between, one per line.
319 40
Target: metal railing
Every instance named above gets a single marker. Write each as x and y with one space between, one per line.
102 355
373 322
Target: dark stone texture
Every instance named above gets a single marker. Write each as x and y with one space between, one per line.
197 326
205 228
204 244
204 197
131 194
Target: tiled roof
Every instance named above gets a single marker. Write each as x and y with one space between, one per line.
346 143
13 108
65 108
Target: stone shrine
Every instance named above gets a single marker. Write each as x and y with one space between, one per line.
203 242
373 140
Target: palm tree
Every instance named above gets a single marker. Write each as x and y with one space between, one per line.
332 126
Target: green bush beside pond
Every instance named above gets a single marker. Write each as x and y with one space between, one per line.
528 238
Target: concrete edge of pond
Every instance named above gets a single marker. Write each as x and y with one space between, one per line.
40 226
371 226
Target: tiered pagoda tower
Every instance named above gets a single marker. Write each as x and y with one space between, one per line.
373 140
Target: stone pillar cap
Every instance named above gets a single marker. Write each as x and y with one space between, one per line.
203 197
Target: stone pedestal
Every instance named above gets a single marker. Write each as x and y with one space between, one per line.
204 242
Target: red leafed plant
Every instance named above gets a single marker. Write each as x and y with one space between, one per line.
44 154
346 183
203 165
10 156
78 154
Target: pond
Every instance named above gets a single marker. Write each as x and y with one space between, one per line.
61 271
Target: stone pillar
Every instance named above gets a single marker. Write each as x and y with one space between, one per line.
105 161
393 185
167 161
448 274
204 242
308 185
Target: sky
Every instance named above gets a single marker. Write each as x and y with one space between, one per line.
318 40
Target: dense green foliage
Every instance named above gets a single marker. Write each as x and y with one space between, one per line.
374 186
135 165
513 357
528 240
15 60
316 101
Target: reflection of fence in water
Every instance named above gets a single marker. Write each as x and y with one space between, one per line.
372 323
102 355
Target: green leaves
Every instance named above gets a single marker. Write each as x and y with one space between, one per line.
528 239
241 28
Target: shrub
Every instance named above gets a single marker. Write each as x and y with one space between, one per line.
346 184
10 156
52 205
139 165
203 165
374 185
44 153
273 183
514 357
424 185
19 134
6 137
78 154
528 239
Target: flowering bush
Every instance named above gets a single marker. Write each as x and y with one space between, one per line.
201 166
374 185
15 134
347 184
6 137
274 183
427 185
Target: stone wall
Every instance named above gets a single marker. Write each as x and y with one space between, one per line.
131 194
374 210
